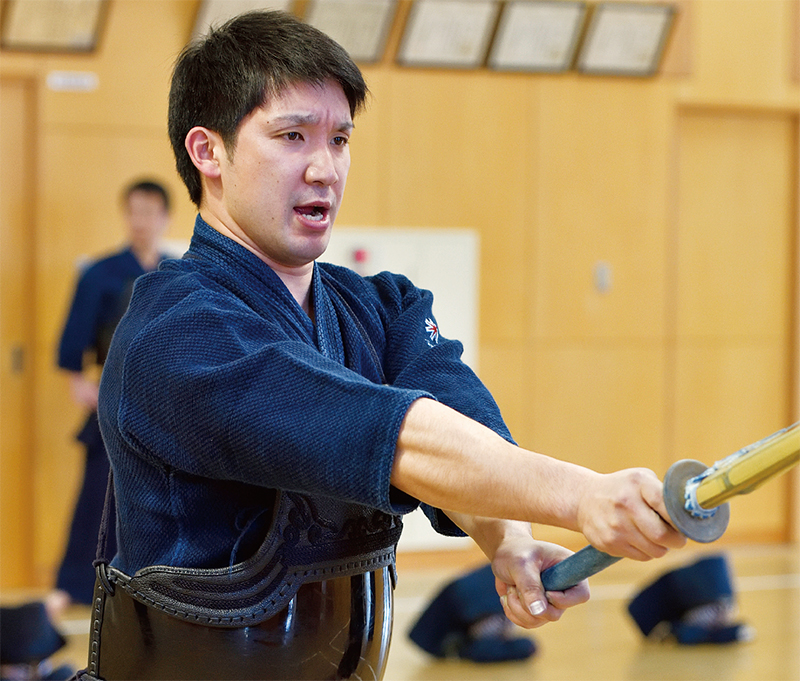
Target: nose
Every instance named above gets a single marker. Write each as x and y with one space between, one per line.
321 168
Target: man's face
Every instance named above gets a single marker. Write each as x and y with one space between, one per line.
147 218
283 182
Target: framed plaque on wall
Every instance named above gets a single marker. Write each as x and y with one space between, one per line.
448 33
219 11
359 26
52 25
537 35
625 39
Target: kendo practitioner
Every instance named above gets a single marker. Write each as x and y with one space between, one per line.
101 297
269 418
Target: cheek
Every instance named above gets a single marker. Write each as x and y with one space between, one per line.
343 171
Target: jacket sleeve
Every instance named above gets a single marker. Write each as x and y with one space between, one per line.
79 332
419 357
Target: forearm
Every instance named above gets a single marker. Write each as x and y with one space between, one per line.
450 461
455 463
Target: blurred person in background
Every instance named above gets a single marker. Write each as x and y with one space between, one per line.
101 298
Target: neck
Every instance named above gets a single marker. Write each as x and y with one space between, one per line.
299 285
148 256
296 279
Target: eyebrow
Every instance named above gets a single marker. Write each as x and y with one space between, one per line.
307 119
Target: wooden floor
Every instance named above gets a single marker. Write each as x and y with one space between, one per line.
598 641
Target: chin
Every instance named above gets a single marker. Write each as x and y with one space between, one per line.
317 249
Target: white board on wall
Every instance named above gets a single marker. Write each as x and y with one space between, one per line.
444 261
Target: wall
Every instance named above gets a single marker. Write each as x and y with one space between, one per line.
88 145
683 187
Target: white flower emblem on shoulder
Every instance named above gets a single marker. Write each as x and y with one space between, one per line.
432 329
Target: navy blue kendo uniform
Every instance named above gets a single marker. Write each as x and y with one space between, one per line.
252 450
100 300
219 390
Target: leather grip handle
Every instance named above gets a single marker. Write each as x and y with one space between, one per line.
585 563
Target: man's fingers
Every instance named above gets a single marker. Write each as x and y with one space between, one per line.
511 607
643 537
528 612
653 540
653 496
574 596
531 593
657 526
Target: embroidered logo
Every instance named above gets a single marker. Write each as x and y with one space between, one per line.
432 329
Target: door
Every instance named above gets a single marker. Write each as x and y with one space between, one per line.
17 323
735 298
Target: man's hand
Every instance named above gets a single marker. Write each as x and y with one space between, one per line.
517 562
517 567
623 514
83 391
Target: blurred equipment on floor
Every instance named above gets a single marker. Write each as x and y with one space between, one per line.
466 620
27 639
693 604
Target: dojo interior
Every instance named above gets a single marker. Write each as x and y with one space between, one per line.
635 289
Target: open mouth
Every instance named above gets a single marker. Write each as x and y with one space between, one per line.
313 213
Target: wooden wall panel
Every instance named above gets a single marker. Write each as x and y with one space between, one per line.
601 182
736 225
17 328
507 370
735 283
795 365
742 48
133 73
600 404
727 396
458 158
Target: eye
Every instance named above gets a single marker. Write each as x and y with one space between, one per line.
339 141
293 136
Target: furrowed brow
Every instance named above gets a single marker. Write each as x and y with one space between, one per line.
288 120
291 120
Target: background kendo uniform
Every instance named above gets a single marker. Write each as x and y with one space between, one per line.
100 300
252 452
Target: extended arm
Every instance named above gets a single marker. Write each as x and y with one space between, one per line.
455 463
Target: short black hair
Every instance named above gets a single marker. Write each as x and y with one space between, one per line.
221 77
148 187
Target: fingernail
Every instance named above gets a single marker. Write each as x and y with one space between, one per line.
537 608
504 600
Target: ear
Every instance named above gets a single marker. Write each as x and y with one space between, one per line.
205 147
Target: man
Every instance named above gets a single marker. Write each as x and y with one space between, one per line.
100 300
270 418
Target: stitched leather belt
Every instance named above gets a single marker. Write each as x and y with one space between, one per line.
314 603
334 629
